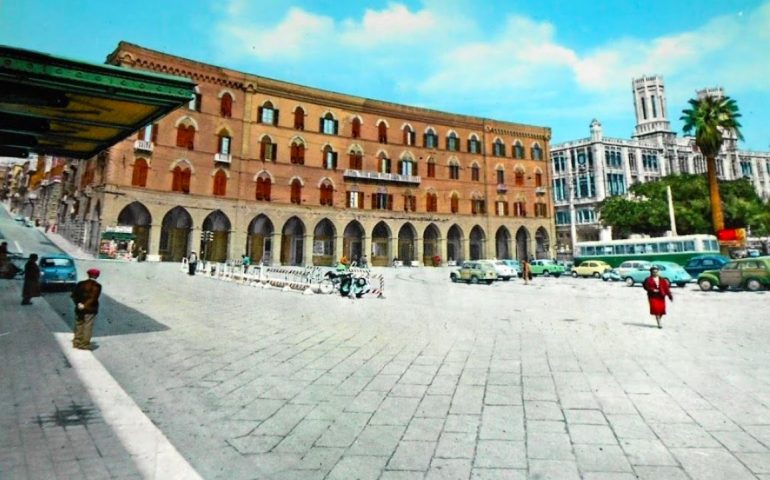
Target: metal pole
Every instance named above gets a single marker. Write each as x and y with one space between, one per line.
671 211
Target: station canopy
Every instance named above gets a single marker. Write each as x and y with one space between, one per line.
55 106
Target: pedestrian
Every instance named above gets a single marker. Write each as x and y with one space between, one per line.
86 298
31 286
658 288
245 261
192 263
526 272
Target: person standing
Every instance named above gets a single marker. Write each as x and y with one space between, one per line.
31 286
658 288
526 272
86 298
192 263
246 262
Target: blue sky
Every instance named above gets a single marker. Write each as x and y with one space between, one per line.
552 63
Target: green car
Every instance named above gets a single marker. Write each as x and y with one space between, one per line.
749 273
546 268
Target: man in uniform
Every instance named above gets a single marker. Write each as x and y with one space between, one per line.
86 298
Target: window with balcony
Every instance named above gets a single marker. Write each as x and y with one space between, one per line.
328 125
296 191
478 206
180 179
410 203
537 152
148 133
355 128
430 139
409 136
382 201
223 143
538 179
327 193
519 178
267 114
268 151
501 208
454 203
519 208
498 148
475 173
297 153
431 202
355 199
501 176
518 150
474 145
185 136
407 166
139 176
382 132
263 187
226 105
452 142
299 118
356 160
220 183
431 168
330 158
383 164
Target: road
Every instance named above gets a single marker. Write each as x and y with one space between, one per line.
565 378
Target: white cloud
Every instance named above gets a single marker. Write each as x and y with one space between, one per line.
396 24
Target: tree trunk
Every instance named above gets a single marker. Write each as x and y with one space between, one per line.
717 217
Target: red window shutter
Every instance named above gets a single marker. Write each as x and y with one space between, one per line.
336 127
180 136
299 119
190 137
267 188
301 152
140 134
321 124
275 152
352 161
226 105
275 117
334 160
293 154
262 150
374 201
406 136
175 185
259 115
390 201
198 102
154 135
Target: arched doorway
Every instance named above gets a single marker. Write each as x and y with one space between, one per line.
353 240
406 243
259 243
381 245
323 243
216 250
175 235
430 244
139 219
542 243
503 243
478 238
454 245
292 242
522 244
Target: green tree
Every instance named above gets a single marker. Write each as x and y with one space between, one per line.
710 117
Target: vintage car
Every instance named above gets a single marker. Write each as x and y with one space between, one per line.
515 265
749 273
475 272
591 268
57 269
697 265
671 271
546 268
622 271
504 272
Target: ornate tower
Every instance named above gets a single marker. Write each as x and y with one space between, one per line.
650 106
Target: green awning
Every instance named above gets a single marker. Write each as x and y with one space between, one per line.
56 106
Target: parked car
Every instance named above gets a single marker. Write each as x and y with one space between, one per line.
612 275
546 268
591 268
624 270
475 272
673 272
504 272
57 269
697 265
749 273
515 265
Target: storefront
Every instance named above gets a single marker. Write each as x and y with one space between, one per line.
117 243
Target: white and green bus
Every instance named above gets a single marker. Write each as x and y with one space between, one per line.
671 249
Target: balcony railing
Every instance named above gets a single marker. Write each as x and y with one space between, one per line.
540 190
223 158
143 145
377 176
502 188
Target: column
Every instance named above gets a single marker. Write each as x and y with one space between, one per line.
393 248
307 250
195 242
442 250
153 249
466 246
367 247
275 249
600 177
419 246
339 242
237 245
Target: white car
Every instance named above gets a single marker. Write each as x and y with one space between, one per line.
504 272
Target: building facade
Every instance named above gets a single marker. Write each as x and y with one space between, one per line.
294 175
587 171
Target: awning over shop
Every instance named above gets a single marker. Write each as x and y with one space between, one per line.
55 106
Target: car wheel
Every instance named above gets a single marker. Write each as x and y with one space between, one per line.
490 282
546 273
596 275
705 285
574 274
557 275
474 279
681 284
753 285
722 288
505 279
453 278
629 281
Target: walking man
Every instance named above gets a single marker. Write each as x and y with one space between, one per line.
192 262
86 298
31 286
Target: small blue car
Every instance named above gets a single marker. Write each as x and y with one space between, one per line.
58 269
671 271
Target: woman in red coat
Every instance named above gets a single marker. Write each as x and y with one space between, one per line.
658 288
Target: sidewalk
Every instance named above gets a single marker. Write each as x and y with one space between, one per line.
66 246
49 425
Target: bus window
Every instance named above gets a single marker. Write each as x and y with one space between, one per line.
620 249
689 246
589 250
607 250
676 246
664 247
640 248
652 248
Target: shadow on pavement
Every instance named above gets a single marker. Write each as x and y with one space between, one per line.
114 317
643 325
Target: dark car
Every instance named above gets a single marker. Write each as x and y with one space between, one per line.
697 265
58 270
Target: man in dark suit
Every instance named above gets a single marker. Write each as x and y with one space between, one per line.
86 298
31 287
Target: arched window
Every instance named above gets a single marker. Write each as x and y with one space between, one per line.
383 164
327 193
139 177
455 203
180 181
226 105
330 158
537 152
268 151
519 208
538 179
478 205
475 173
409 136
519 178
223 143
430 139
454 170
407 166
431 202
220 183
518 150
356 160
267 114
297 152
500 176
296 191
498 148
431 168
355 130
474 146
328 125
185 136
382 132
299 119
452 142
263 187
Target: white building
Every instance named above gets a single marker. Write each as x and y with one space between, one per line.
588 170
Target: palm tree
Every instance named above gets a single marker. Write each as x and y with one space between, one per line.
711 117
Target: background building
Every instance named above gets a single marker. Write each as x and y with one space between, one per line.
588 170
295 175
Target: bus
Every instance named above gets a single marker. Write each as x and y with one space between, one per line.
670 249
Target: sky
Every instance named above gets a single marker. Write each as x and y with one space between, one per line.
550 63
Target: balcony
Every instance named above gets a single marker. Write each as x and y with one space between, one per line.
223 158
540 190
143 146
502 188
380 177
